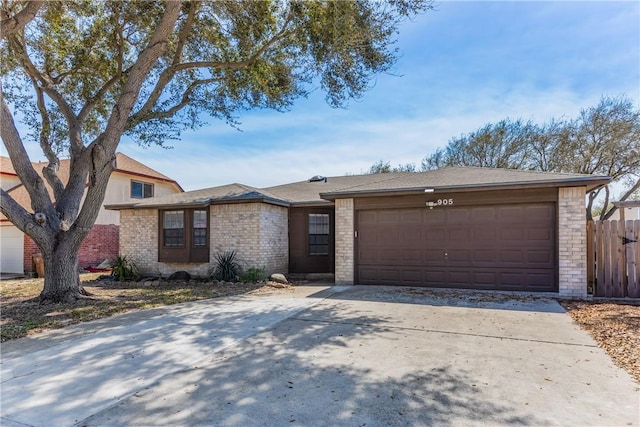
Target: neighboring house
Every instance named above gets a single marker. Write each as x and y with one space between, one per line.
11 239
453 227
130 181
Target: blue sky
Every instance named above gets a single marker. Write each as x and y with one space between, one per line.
461 66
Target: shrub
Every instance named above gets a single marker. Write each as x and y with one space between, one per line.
254 275
124 268
226 268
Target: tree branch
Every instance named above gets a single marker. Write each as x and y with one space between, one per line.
156 115
102 150
22 219
45 134
74 125
33 183
624 197
13 24
167 75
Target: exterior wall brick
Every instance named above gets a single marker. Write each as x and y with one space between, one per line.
256 231
101 243
30 249
572 242
344 237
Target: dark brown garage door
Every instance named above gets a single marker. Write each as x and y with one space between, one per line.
509 247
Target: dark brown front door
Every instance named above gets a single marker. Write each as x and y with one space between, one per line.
311 241
509 247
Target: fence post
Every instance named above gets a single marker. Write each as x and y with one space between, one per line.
591 259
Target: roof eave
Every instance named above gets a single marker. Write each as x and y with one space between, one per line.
591 183
197 204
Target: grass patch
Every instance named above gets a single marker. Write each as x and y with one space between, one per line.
21 315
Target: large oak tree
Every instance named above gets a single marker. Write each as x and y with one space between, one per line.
82 73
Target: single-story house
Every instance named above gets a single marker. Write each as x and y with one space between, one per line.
130 181
456 227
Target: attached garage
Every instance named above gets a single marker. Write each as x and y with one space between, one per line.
508 247
466 228
11 250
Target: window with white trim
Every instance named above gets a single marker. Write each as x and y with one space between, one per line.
141 190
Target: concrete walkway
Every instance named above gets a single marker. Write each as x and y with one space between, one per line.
372 356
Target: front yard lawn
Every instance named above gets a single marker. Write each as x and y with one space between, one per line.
22 315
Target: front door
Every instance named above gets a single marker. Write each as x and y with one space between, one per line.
311 241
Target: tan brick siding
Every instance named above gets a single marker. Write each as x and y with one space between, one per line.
257 232
344 242
572 242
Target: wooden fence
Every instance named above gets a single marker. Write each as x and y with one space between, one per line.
613 258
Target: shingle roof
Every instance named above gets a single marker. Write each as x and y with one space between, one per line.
306 192
126 164
232 193
6 167
457 178
323 191
309 192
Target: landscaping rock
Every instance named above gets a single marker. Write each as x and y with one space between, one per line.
180 275
279 278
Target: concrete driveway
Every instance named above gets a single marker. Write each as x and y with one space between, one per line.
373 356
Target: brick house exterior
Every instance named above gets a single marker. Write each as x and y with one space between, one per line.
454 227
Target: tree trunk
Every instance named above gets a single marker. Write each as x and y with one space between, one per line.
61 275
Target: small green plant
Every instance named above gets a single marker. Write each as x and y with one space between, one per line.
226 268
254 275
124 269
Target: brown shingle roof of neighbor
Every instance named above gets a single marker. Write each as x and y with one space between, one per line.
231 193
6 167
125 164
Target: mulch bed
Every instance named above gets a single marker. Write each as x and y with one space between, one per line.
615 327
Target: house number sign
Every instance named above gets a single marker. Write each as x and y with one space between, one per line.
440 202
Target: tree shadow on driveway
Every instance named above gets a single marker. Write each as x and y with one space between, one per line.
346 369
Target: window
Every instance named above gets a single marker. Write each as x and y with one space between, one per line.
318 234
199 228
184 235
173 229
141 190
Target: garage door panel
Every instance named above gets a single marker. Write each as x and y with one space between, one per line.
483 247
483 215
460 234
539 233
457 216
434 277
412 217
459 256
484 234
511 233
388 256
540 258
389 217
412 256
433 217
484 256
434 256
